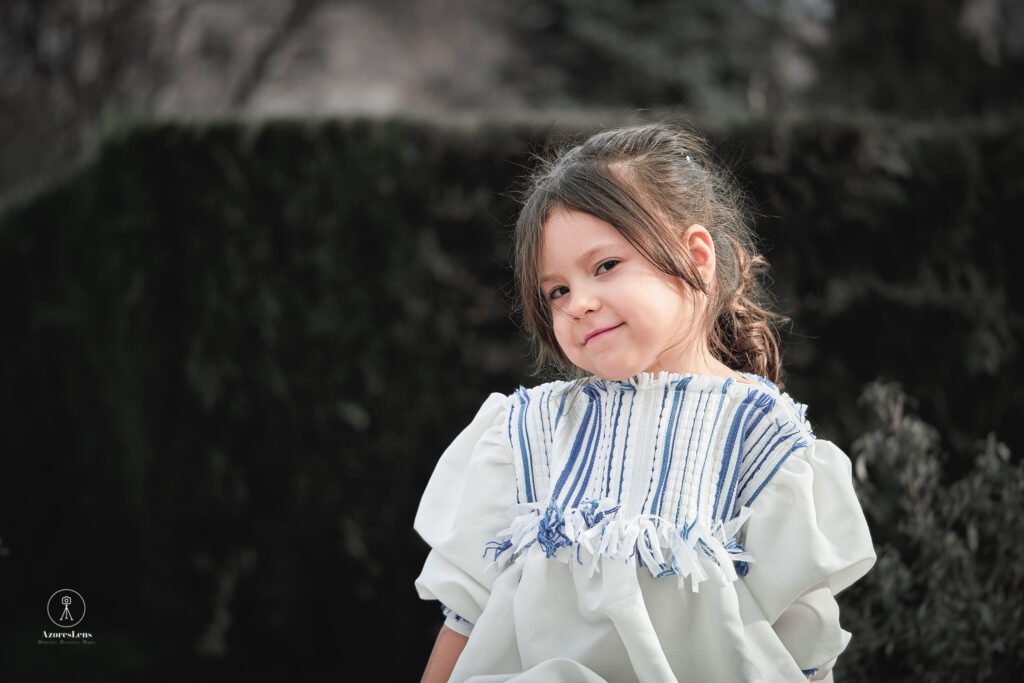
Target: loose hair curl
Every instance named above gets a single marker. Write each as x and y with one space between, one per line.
650 182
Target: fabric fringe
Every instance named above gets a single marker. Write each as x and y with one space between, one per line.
695 551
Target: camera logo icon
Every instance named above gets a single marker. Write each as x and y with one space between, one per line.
66 608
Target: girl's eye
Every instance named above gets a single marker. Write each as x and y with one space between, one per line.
607 265
558 292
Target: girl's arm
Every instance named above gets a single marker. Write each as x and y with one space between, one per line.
447 649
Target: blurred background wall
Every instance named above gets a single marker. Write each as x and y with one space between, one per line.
72 67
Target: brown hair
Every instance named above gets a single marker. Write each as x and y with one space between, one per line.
646 181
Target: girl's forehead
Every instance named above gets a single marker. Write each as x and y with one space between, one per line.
567 228
570 236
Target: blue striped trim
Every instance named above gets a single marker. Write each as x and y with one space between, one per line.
525 446
561 408
731 445
611 448
654 463
754 461
798 445
727 455
579 484
449 612
689 450
765 404
666 458
775 450
575 452
549 434
511 419
625 445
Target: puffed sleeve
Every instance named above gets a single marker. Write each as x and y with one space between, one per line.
464 506
809 541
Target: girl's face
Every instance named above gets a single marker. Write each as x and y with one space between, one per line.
614 313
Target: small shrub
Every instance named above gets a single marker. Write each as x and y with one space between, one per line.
944 601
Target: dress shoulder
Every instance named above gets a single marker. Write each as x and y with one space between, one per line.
808 519
806 514
482 436
464 504
810 540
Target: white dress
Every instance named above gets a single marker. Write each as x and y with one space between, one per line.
663 528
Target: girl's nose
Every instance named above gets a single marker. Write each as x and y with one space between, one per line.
583 302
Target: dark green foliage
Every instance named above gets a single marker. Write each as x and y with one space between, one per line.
894 235
943 602
623 52
255 342
234 353
905 57
921 59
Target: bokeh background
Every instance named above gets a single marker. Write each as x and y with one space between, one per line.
255 272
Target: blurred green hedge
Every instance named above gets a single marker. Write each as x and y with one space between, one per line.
235 351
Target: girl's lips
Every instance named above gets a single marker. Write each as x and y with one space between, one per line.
600 333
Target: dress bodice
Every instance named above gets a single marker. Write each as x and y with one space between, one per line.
665 461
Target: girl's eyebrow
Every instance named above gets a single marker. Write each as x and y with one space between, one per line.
582 259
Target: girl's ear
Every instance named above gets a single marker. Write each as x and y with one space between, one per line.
697 240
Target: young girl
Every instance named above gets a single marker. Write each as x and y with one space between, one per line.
668 514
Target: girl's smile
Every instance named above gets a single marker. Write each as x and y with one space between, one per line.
600 333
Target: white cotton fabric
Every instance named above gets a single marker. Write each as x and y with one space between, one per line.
587 614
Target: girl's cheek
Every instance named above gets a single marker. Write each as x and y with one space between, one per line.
562 339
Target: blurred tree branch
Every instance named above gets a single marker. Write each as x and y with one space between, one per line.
66 63
254 75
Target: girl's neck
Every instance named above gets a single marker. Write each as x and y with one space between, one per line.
695 364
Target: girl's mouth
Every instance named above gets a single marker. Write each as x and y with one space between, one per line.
597 334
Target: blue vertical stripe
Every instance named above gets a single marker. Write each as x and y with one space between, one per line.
548 432
625 443
561 407
666 458
689 450
524 447
749 446
731 444
589 453
654 463
775 437
611 449
591 456
707 454
511 418
751 458
574 452
775 448
763 401
799 444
